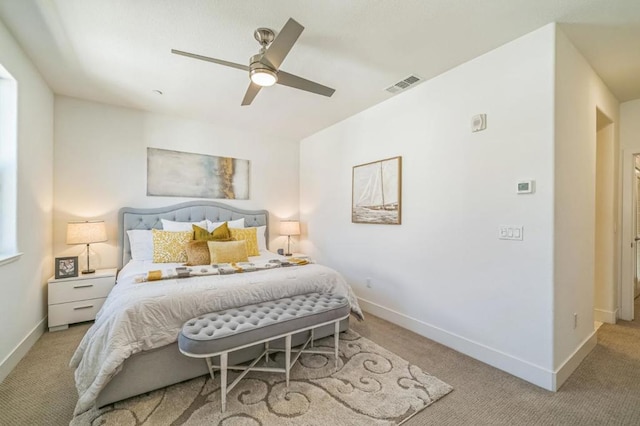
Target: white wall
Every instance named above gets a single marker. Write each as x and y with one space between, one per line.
100 167
579 93
444 273
630 125
23 282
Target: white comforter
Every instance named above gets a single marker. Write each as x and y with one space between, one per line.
142 316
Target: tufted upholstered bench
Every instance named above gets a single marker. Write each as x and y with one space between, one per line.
218 333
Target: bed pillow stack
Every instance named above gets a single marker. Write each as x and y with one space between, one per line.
186 242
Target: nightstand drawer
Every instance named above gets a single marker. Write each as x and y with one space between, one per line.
69 313
69 291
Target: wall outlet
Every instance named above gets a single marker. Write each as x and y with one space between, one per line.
368 282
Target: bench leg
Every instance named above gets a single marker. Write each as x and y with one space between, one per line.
266 349
287 357
223 380
210 368
336 340
312 336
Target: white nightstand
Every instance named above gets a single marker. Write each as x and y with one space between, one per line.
78 299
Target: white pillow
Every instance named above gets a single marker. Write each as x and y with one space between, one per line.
262 240
141 242
169 225
238 223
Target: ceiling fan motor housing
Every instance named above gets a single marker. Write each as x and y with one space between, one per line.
257 67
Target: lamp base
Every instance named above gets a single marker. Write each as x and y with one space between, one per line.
89 271
288 254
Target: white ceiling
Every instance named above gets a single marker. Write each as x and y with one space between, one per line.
118 51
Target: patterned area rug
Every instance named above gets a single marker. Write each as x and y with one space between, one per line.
371 386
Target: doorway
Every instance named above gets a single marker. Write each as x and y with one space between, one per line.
605 301
636 231
630 265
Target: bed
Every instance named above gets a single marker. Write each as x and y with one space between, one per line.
131 349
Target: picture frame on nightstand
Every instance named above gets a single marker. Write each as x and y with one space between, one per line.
66 267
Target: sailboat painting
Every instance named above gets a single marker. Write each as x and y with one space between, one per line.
377 192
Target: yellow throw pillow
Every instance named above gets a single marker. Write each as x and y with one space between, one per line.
249 236
221 233
227 252
170 247
198 253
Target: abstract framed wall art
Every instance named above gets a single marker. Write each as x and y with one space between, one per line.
377 192
183 174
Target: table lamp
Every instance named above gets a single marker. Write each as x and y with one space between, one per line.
88 232
289 228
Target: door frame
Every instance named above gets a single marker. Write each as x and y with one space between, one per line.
626 286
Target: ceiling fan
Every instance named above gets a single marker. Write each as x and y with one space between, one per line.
264 68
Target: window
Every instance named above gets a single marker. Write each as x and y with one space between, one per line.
8 165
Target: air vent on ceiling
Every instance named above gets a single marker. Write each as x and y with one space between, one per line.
404 84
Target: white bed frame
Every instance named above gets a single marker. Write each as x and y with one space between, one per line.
150 370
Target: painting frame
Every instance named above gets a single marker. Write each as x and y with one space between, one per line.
66 267
172 173
372 200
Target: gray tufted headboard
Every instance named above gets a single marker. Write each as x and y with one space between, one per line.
191 211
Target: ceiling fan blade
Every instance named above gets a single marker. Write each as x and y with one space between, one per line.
296 82
282 44
252 91
208 59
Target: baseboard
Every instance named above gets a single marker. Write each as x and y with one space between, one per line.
603 315
525 370
574 360
21 350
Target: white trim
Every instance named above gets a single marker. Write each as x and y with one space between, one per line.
603 315
539 376
8 258
21 350
574 360
518 367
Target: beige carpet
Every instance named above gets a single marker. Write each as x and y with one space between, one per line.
371 386
604 390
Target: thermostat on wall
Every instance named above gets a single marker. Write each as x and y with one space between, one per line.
525 187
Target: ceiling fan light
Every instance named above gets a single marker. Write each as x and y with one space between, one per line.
264 77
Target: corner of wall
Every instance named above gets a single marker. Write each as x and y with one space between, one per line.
23 284
562 373
14 357
578 94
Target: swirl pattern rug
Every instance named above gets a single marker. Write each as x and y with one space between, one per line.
371 386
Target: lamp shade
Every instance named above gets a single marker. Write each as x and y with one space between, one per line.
86 232
290 227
